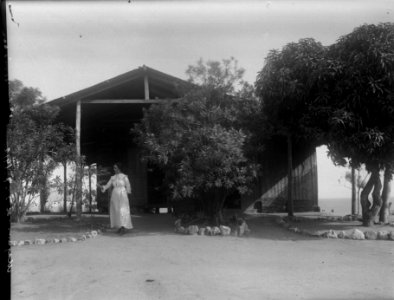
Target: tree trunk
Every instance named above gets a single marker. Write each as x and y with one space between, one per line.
370 212
365 203
79 170
90 190
384 210
43 186
65 187
43 193
72 201
358 192
290 204
215 209
353 191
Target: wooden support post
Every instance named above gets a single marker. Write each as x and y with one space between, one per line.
65 187
90 189
290 204
78 128
78 174
146 87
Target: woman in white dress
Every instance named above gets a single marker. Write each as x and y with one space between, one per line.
119 209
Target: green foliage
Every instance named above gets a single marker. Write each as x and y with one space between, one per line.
58 184
340 95
225 76
360 92
22 97
32 137
287 87
199 141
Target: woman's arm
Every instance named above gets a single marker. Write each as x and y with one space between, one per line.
105 187
127 183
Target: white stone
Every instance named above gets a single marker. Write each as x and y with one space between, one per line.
357 235
13 243
63 240
215 230
225 230
201 231
192 229
94 233
243 228
383 235
208 230
331 234
371 235
72 239
39 241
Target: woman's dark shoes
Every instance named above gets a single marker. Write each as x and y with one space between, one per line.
122 231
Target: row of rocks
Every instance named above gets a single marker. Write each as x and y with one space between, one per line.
222 230
298 219
82 237
354 234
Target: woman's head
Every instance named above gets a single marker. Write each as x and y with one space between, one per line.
117 167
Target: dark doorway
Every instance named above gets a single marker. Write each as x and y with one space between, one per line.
156 191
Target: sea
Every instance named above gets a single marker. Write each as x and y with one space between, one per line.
340 206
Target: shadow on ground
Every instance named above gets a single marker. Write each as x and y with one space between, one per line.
262 227
265 227
55 226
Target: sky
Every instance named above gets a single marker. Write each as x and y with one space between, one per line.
61 47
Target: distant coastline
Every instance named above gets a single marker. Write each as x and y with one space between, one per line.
340 206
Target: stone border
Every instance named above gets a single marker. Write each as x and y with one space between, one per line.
355 234
80 237
239 230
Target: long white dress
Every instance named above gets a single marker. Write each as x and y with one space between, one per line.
119 210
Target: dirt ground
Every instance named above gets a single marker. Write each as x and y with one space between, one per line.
152 262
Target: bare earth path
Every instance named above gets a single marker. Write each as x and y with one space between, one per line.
155 263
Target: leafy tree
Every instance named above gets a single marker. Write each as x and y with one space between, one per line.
358 89
22 97
64 156
32 137
287 86
198 141
224 76
87 193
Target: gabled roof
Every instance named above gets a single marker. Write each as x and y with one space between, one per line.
154 76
